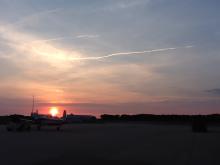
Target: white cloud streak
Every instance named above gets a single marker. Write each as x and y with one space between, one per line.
64 38
129 53
87 36
52 39
29 18
122 5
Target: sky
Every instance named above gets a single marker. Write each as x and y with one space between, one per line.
110 56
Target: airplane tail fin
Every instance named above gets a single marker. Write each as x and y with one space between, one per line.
64 114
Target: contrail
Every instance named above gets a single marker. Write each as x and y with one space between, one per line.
129 53
63 38
52 39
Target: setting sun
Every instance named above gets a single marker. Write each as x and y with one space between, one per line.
54 111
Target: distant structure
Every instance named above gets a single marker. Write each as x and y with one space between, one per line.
71 118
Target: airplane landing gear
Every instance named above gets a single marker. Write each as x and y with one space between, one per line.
38 127
58 128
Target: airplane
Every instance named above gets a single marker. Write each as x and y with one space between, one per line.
18 123
46 120
21 123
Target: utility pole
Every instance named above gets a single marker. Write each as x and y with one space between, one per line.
32 106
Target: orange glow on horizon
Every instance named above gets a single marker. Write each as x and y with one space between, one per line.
54 111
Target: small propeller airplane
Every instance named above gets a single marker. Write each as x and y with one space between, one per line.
25 123
19 123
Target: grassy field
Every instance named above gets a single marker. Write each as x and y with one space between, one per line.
105 144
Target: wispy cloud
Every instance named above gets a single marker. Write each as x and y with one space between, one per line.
128 4
51 39
129 53
88 36
34 48
26 19
215 91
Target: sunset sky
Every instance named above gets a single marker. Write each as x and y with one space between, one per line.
110 56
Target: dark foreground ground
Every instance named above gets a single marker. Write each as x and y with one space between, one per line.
115 144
